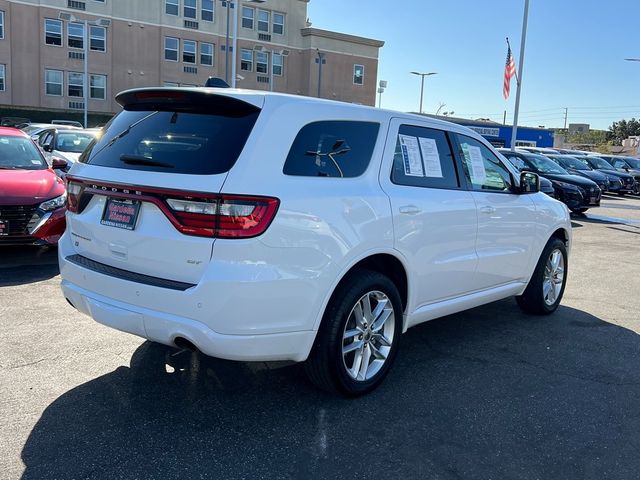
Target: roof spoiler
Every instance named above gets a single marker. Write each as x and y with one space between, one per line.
194 100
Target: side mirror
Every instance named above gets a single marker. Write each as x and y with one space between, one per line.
529 182
48 148
59 163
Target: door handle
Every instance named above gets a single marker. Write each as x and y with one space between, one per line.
409 210
488 210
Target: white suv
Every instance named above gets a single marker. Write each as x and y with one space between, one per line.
256 227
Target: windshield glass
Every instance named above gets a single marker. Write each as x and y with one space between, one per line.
600 163
20 153
544 165
73 142
570 162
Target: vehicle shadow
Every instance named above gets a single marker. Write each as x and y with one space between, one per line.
22 265
489 393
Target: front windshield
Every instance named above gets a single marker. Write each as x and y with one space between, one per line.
600 163
73 142
20 153
544 165
570 162
633 162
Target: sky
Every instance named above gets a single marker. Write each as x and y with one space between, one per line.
574 55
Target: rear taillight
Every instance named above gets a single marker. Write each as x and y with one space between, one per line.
74 192
226 216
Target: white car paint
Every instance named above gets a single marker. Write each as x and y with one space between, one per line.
263 298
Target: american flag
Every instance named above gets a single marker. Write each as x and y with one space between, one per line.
509 71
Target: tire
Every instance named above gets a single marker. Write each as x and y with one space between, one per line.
534 299
579 210
332 369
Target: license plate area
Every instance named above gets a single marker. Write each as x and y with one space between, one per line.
4 228
121 213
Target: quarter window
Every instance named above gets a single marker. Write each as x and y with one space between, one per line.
76 84
206 53
263 21
3 74
98 39
190 8
98 86
207 10
423 158
262 62
248 15
172 7
246 62
171 47
358 74
278 64
188 51
338 149
75 35
483 169
1 24
278 23
53 32
53 82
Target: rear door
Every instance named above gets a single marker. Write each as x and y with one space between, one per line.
506 220
434 217
143 196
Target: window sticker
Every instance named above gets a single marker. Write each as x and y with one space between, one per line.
411 156
431 156
473 156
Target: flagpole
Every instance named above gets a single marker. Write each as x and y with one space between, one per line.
514 133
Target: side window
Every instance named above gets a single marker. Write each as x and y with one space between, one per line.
483 169
332 149
45 139
619 164
423 158
517 162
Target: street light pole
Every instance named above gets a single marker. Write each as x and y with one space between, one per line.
234 48
422 84
85 86
320 61
226 48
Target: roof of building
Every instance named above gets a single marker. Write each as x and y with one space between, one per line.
311 31
476 122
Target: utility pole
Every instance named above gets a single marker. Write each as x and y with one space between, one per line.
566 114
504 118
514 133
320 61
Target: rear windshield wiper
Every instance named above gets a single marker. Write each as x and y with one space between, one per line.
140 160
123 133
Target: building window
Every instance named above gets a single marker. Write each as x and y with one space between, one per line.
206 53
53 32
246 61
190 8
278 64
263 21
75 83
188 51
172 7
358 74
207 10
98 87
171 47
98 39
53 82
262 62
1 24
75 35
247 17
278 23
3 72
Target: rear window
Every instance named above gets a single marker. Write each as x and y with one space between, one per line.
332 149
173 141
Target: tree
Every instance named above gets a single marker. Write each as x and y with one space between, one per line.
592 137
622 130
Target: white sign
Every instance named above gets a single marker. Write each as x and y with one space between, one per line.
474 159
411 156
486 131
431 157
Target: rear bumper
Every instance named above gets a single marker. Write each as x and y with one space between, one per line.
165 328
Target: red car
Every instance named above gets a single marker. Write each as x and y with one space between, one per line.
32 197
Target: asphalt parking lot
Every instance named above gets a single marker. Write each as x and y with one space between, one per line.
487 394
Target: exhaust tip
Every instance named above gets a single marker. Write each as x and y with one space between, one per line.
184 344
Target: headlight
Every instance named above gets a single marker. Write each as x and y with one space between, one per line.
54 203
